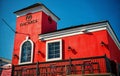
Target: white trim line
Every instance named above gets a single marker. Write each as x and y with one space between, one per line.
68 33
110 31
37 9
21 50
59 40
79 30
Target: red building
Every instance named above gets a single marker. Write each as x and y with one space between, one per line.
42 50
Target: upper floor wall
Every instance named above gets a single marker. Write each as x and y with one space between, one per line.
95 39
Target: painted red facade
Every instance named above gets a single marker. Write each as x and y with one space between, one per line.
90 44
42 25
84 45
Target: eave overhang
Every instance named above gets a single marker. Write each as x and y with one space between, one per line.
81 29
35 8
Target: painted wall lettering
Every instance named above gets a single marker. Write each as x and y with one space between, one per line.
28 20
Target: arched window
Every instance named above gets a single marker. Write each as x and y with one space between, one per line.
26 52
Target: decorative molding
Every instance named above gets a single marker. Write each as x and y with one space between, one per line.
79 30
37 9
71 32
113 36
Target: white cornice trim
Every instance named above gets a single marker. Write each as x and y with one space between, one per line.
71 32
65 34
113 36
37 9
79 30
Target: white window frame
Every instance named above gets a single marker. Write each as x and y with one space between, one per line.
32 45
54 59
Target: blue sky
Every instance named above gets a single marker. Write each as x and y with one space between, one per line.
71 13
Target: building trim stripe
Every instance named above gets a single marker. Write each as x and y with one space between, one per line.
37 9
113 36
70 32
79 30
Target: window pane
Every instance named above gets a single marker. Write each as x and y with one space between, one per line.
53 50
50 52
50 56
57 55
57 52
57 43
57 47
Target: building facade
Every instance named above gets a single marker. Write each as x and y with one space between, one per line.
85 49
5 64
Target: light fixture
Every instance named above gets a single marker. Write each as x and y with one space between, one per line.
83 30
16 56
102 43
42 39
69 48
39 52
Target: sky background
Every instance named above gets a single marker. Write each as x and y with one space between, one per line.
71 13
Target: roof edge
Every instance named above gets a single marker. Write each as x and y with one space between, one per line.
31 6
82 25
36 5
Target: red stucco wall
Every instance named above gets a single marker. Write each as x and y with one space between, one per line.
113 49
83 45
41 25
